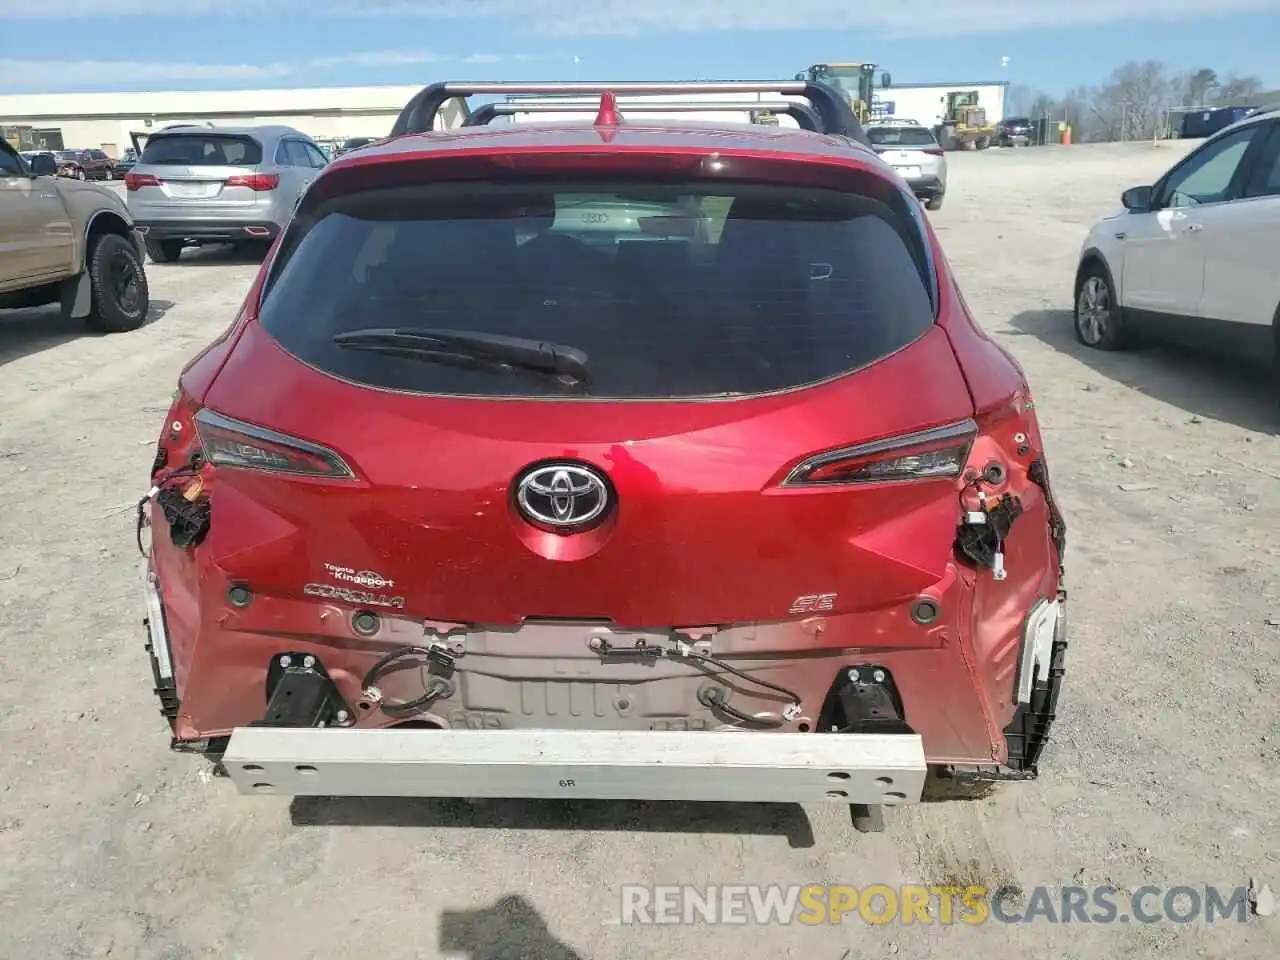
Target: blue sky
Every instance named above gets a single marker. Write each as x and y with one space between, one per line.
48 45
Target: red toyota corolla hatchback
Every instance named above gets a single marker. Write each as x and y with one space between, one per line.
607 459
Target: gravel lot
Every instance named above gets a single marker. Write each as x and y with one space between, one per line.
1167 745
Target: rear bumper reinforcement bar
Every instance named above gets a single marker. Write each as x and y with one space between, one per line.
736 766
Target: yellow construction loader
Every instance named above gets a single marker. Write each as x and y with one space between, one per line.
964 123
858 81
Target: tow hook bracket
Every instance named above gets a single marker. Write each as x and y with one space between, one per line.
300 693
869 703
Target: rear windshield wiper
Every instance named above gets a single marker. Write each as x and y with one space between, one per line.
432 343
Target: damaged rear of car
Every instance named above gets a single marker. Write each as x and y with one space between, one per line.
480 496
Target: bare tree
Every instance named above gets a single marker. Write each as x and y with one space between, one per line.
1198 87
1018 100
1236 87
1043 105
1133 103
1075 110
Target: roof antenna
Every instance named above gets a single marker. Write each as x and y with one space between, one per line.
608 115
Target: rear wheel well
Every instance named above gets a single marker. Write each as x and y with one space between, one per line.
103 223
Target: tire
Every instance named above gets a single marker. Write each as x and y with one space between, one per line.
1097 319
108 175
80 175
983 143
121 297
164 251
934 202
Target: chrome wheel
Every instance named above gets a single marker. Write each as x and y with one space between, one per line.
1093 311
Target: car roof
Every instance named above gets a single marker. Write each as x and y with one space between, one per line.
653 135
263 130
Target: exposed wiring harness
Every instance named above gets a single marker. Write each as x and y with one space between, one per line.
177 473
716 698
438 686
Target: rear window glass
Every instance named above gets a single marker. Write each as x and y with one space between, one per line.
671 291
901 136
202 150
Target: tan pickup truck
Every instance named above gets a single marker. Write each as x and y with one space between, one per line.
67 242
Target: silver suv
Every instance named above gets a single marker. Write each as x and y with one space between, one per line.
915 153
195 185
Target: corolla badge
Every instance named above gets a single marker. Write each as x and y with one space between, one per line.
563 495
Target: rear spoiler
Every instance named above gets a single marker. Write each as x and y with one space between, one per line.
828 111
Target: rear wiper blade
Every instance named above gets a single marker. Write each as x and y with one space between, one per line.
429 342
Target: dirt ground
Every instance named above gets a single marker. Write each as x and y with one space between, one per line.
1166 750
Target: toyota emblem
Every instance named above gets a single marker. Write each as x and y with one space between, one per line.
563 495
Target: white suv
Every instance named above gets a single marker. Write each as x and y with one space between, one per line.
1196 255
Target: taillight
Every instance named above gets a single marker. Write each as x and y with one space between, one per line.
179 445
255 181
136 181
933 151
929 455
231 443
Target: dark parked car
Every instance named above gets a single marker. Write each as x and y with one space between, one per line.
126 162
1015 132
355 143
85 164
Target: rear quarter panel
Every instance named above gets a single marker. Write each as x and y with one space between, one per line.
83 201
1005 409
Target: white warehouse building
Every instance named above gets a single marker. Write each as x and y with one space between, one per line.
923 102
105 120
738 107
927 102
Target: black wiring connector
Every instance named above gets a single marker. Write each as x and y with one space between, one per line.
188 519
176 473
437 687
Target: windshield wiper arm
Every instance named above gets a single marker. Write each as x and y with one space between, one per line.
429 342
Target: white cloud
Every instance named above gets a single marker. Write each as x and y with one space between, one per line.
376 58
43 74
48 74
639 17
